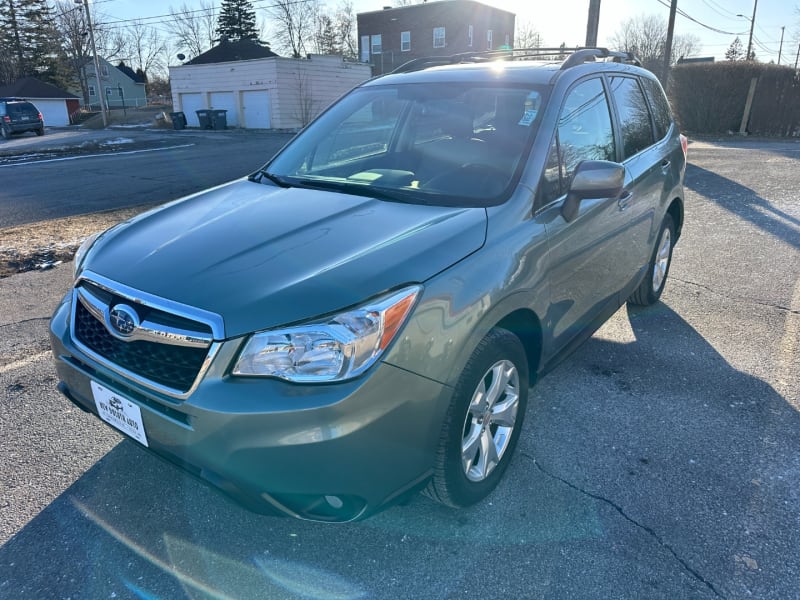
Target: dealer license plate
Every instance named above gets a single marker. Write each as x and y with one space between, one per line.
119 412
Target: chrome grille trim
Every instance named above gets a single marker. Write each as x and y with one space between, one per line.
147 330
193 340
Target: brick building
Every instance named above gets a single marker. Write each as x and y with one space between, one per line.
391 37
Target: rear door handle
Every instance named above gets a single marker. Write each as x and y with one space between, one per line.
665 164
624 200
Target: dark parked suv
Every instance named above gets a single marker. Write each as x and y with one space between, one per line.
364 315
19 116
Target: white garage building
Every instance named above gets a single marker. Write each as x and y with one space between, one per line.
55 104
258 89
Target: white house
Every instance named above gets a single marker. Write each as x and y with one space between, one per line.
55 104
261 92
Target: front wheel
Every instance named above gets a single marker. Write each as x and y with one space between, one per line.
649 291
483 422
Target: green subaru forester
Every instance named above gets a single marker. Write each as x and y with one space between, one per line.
363 317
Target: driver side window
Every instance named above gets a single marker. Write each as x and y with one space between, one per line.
584 133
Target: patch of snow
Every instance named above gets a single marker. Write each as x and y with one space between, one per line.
116 142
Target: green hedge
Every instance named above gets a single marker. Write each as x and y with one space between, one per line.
711 97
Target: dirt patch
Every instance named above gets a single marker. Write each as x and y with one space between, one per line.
42 245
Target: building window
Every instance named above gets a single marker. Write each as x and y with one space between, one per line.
469 36
365 48
438 37
91 90
377 48
104 70
489 39
405 41
109 91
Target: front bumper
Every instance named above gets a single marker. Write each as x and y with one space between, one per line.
332 452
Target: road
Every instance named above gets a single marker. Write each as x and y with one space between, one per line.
46 186
661 460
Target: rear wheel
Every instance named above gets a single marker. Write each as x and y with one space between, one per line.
4 132
483 422
40 131
649 291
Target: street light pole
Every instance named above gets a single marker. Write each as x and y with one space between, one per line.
100 94
752 25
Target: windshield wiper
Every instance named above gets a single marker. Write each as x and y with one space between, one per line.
262 173
360 189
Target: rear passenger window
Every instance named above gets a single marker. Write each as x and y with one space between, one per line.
634 115
662 115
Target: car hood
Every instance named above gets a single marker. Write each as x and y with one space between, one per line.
261 256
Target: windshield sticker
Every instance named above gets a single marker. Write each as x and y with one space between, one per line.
528 117
532 103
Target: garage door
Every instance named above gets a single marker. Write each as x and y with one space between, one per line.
255 109
226 101
54 112
191 103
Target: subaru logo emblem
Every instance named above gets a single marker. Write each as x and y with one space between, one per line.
123 320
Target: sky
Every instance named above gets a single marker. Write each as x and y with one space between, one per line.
565 20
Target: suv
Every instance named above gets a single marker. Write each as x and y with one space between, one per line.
363 316
19 116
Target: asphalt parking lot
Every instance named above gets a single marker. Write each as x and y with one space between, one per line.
661 460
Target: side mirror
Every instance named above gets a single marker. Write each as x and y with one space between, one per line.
592 179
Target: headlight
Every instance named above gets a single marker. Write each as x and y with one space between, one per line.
335 349
80 255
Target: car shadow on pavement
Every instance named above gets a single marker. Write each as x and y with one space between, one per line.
743 202
647 467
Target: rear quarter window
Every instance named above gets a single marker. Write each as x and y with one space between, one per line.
634 115
662 114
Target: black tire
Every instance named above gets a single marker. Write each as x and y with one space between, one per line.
459 481
40 131
4 132
649 291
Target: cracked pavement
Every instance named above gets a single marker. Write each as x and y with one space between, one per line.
661 460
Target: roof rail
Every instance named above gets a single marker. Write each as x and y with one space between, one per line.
570 56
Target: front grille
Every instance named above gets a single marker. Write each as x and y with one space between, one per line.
171 366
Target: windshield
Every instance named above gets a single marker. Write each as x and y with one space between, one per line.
450 144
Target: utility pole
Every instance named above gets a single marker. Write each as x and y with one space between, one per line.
593 23
668 46
797 58
752 25
100 91
780 48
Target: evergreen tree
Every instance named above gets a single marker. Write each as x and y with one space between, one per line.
237 21
27 41
735 51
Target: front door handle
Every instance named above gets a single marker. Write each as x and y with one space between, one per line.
624 200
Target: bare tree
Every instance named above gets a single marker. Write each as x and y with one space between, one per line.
294 25
646 36
144 46
346 29
527 36
71 27
193 29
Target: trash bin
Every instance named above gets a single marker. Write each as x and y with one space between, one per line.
178 120
219 119
204 116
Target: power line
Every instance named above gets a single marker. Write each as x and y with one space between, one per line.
709 27
120 22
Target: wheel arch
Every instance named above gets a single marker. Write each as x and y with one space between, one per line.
528 328
675 210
